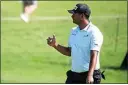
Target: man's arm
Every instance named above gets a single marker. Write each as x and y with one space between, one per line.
96 43
64 50
93 61
92 65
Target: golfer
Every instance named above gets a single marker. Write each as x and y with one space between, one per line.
29 7
85 42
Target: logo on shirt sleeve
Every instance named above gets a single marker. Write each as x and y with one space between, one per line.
95 44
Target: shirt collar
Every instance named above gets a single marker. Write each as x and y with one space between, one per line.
86 28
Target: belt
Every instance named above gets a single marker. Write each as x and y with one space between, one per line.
86 72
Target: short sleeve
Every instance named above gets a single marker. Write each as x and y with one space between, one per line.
96 40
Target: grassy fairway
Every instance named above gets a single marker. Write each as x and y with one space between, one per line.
26 57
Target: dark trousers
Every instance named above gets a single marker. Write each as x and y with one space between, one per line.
80 78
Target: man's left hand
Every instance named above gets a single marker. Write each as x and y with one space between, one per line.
90 79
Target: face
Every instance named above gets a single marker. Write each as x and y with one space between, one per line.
77 18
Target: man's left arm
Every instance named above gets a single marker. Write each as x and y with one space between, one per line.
92 65
96 43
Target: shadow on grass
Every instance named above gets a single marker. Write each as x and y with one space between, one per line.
113 68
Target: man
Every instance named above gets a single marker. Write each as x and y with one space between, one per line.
85 42
28 7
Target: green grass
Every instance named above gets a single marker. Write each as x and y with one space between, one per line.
26 57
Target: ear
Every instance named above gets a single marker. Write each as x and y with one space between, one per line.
82 16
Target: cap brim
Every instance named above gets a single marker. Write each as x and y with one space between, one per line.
71 11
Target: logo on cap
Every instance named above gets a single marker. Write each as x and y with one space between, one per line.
75 8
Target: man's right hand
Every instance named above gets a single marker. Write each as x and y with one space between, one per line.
51 41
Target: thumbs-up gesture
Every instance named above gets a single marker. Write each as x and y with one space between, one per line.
51 41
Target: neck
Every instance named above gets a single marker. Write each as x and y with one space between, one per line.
83 24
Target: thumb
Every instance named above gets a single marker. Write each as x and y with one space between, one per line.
54 36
